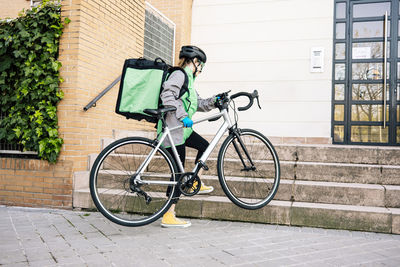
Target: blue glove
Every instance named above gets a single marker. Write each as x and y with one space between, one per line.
187 122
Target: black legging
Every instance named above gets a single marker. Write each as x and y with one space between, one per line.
194 141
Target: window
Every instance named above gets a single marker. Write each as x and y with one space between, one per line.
366 68
159 36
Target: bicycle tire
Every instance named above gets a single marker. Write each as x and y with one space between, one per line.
249 189
110 182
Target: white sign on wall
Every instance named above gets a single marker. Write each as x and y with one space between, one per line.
317 59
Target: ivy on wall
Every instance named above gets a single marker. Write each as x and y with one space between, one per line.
29 79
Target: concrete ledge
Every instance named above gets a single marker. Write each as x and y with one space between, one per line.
392 196
326 192
322 171
395 221
340 193
302 191
339 154
82 199
277 212
81 180
342 217
348 217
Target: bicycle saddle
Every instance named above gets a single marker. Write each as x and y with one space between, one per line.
159 111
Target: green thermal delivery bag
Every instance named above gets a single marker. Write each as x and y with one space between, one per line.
140 87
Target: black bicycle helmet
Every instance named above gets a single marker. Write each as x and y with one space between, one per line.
191 51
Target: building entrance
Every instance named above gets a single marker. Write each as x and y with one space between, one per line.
366 71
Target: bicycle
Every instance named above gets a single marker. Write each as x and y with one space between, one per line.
133 180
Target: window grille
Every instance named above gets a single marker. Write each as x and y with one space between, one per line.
159 36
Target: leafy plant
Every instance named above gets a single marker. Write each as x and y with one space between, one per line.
29 79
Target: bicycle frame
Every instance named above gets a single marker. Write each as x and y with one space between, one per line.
227 124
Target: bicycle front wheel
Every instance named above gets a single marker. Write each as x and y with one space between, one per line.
115 188
248 169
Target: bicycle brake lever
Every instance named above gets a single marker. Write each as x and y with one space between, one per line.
258 102
255 95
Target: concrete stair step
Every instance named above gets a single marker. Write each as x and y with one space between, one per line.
340 154
349 217
377 155
326 192
320 171
302 191
331 186
329 172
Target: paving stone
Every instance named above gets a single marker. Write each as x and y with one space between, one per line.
209 243
41 263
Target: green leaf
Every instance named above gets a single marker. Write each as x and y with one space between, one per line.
42 145
52 133
5 63
17 132
29 79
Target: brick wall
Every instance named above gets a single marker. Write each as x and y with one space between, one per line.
101 35
11 8
180 12
29 182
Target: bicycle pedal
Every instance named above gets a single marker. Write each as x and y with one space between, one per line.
204 166
148 199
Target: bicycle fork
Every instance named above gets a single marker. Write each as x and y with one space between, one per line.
239 139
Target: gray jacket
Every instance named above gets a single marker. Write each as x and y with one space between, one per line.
169 97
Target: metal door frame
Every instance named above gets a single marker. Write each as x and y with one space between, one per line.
393 80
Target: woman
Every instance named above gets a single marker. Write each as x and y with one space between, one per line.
192 60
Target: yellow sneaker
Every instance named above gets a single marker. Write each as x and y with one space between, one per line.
204 189
170 221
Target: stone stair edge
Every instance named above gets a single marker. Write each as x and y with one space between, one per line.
117 134
288 203
85 175
367 155
321 183
386 220
308 163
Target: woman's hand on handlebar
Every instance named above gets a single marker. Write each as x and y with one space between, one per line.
221 98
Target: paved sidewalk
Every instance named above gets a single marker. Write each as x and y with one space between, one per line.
45 237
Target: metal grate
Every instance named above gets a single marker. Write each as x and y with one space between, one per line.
159 36
12 148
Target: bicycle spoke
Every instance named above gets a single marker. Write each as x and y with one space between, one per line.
115 194
260 180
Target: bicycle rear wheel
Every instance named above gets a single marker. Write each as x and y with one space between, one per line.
112 185
250 180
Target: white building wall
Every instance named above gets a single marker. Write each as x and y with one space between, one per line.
266 45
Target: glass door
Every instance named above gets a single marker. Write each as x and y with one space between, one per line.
365 98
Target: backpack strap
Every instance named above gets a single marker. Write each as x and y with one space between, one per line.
185 85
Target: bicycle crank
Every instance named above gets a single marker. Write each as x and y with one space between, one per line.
188 184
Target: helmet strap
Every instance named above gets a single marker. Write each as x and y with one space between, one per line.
196 69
